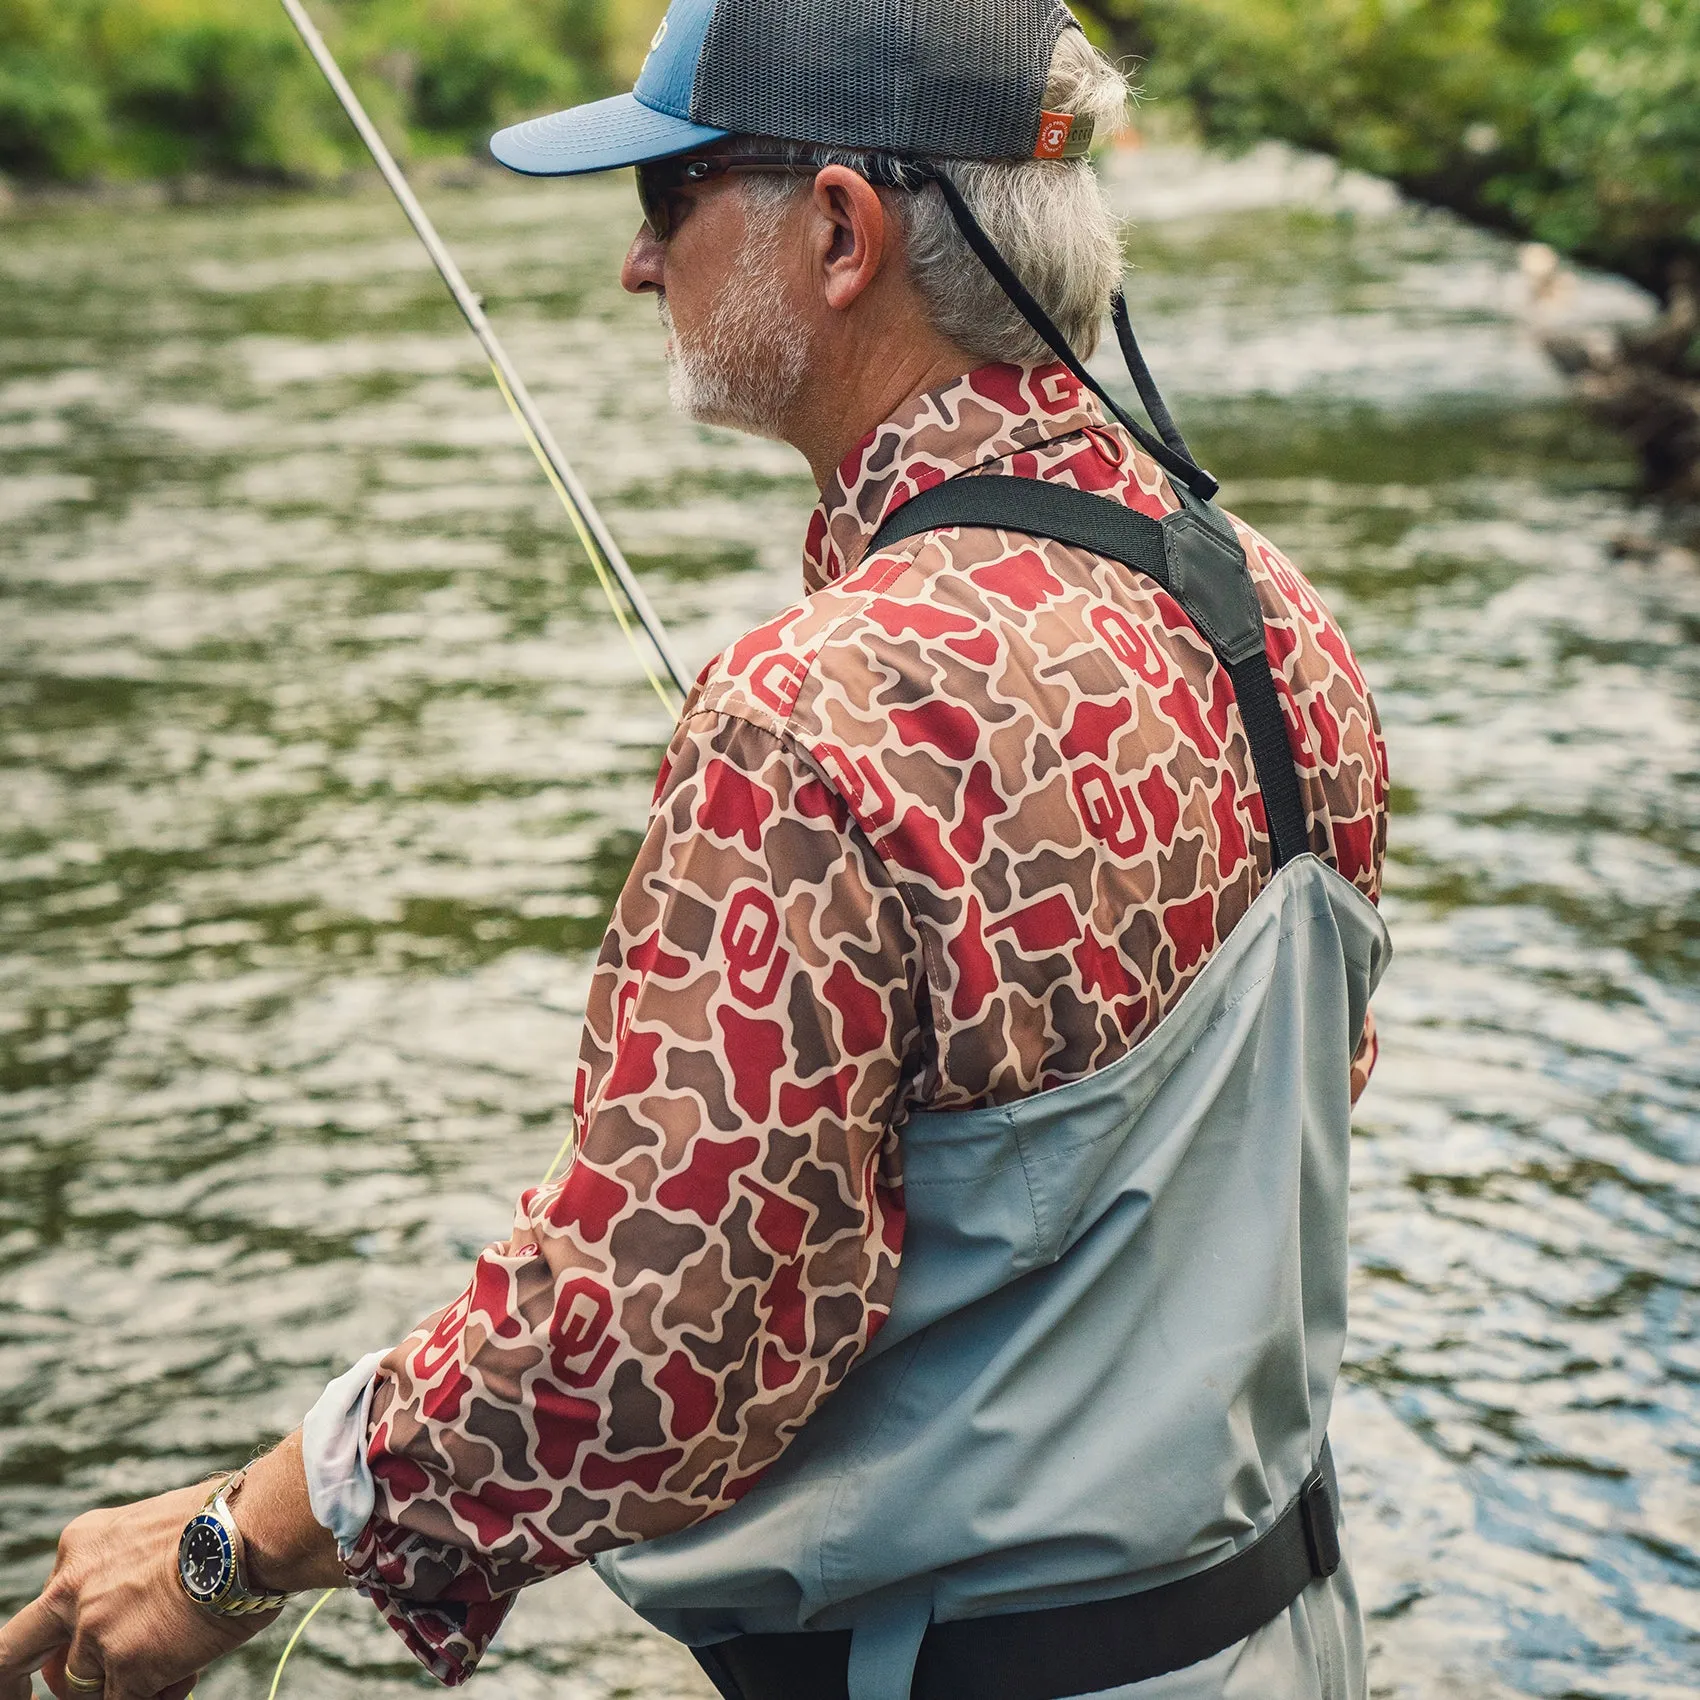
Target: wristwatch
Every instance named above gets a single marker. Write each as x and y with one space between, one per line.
210 1558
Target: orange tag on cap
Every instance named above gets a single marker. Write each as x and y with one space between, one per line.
1054 128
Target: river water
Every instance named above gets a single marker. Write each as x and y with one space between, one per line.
322 761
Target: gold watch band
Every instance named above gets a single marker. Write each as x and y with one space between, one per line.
241 1600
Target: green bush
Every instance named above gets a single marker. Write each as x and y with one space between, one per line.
118 88
208 85
52 111
1573 121
463 67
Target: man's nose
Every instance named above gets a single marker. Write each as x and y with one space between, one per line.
643 267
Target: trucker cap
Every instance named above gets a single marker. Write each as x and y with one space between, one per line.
962 79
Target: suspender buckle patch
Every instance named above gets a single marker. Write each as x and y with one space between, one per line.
1316 1512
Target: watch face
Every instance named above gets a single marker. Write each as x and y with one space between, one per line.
204 1558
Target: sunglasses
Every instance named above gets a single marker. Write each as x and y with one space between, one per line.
659 182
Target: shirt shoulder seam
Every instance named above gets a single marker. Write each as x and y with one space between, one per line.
782 734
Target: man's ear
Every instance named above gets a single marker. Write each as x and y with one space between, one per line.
856 229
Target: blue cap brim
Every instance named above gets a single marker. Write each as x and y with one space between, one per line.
599 137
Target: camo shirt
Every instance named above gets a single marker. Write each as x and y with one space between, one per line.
957 827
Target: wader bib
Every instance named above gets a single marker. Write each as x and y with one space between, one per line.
1087 1453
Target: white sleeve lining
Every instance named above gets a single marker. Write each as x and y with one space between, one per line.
333 1448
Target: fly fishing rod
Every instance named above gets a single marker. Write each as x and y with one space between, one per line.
605 555
612 569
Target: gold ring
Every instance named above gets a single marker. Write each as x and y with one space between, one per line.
84 1684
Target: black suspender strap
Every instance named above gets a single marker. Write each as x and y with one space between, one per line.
1192 553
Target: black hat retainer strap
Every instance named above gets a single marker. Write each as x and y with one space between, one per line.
1171 453
1149 395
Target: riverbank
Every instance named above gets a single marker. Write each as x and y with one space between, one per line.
208 188
1577 127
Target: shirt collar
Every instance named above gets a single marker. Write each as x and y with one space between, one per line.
985 416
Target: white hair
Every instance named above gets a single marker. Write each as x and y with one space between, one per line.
1048 218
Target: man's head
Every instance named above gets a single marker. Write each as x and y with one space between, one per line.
806 296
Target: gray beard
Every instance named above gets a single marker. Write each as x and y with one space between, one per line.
745 365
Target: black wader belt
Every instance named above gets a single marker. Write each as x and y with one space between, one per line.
1065 1651
1193 553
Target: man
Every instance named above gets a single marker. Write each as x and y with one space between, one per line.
948 1291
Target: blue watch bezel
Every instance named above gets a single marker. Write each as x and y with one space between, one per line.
227 1569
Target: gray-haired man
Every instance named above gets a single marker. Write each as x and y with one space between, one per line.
948 1293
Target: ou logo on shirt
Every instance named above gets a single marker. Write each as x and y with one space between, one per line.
1129 645
579 1343
750 937
861 784
1111 811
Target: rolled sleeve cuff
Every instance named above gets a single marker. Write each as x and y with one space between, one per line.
448 1633
333 1448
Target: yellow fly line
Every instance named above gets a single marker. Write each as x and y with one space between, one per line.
589 542
329 1594
289 1646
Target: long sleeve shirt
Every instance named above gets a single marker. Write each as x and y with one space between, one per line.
958 826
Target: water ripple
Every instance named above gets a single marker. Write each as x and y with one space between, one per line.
325 762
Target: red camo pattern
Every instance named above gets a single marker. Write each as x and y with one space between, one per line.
958 827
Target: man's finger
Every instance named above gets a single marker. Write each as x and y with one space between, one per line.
80 1673
126 1682
30 1640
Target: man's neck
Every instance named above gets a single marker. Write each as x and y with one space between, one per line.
860 386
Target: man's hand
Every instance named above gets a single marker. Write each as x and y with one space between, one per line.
114 1610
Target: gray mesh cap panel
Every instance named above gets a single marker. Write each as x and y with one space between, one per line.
961 78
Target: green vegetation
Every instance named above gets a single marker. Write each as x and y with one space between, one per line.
93 89
1575 122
